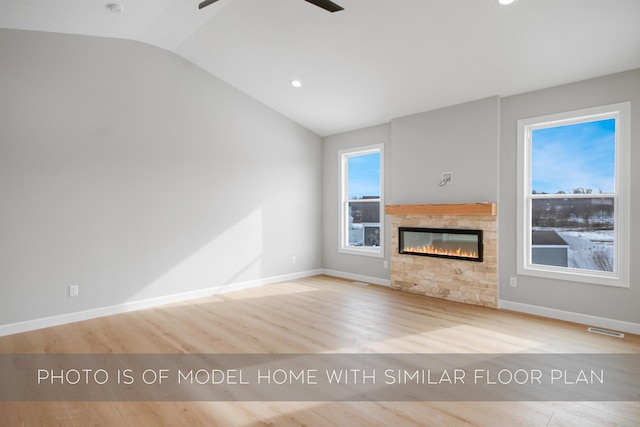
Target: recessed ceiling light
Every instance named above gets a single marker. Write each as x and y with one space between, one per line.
506 2
115 7
296 83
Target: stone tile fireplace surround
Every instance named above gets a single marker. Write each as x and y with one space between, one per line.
451 279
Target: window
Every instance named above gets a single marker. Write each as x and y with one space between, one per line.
361 202
573 196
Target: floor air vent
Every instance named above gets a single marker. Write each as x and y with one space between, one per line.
605 332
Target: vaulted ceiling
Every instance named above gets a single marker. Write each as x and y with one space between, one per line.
371 62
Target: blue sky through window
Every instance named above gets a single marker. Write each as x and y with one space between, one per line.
581 155
364 175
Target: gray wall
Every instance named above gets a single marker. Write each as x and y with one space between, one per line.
602 301
462 139
134 174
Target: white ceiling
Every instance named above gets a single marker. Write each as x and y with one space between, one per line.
374 61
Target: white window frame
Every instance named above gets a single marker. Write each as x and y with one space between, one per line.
620 274
343 216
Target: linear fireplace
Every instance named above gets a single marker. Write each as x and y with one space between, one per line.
441 242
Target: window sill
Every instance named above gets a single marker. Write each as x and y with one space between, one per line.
591 277
373 252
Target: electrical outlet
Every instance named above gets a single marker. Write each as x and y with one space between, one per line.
293 259
73 290
385 264
513 282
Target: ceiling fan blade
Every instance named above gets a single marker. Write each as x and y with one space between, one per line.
206 3
326 5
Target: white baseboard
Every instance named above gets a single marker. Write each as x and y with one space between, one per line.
585 319
357 277
46 322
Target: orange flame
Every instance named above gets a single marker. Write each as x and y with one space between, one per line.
434 250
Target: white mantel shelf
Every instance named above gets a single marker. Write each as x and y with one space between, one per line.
466 209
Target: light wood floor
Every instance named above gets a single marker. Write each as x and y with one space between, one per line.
318 314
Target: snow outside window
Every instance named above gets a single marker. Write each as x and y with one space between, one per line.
573 196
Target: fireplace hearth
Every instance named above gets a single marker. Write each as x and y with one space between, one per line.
441 243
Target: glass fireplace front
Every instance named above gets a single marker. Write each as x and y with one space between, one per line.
442 243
